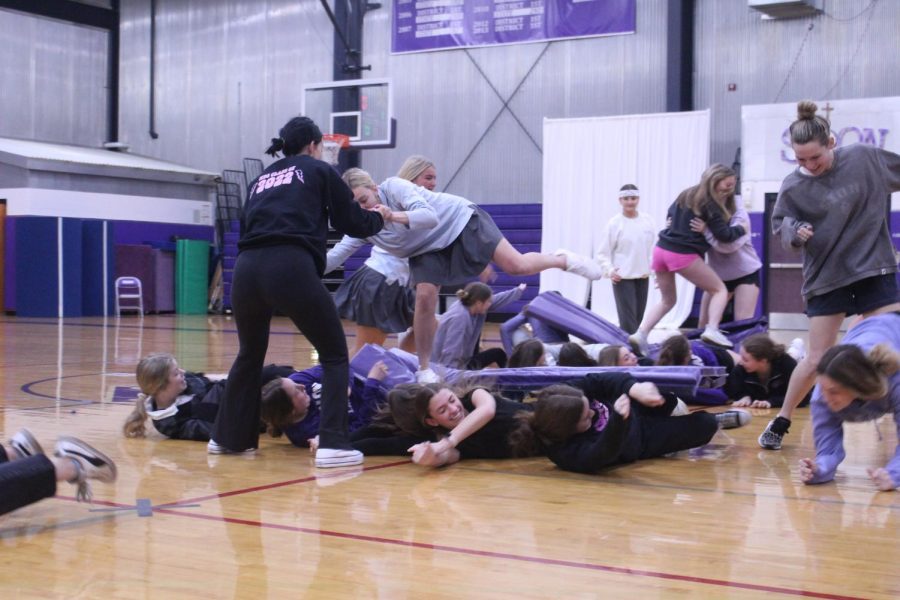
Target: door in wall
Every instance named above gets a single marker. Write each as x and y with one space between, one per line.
784 271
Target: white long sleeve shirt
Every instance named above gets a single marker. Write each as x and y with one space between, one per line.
627 244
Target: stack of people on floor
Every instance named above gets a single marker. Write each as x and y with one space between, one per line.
424 240
831 209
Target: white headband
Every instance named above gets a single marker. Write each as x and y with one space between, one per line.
629 194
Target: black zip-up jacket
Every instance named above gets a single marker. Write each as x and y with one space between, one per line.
292 202
740 383
192 415
678 237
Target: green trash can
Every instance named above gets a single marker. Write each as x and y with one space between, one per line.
191 277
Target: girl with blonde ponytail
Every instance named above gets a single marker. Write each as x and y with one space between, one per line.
858 380
181 405
165 397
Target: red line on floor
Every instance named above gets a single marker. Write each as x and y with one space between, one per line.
516 557
330 474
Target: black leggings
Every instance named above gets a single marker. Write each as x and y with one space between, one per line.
282 278
655 433
25 481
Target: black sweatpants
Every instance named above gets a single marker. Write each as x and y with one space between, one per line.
282 278
655 433
631 301
25 481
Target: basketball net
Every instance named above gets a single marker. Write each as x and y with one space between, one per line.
331 146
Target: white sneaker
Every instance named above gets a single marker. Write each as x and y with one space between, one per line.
427 376
331 457
732 419
214 448
680 409
638 342
25 444
580 265
715 337
90 464
797 349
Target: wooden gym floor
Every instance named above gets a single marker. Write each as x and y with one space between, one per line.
727 521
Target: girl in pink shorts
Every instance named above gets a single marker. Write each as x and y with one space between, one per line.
681 247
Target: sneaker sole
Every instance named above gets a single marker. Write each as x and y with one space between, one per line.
97 459
231 453
726 344
767 446
327 463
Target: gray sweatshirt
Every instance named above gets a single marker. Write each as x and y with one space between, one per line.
848 208
435 220
458 331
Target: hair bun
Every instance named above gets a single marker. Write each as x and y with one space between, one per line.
806 109
277 144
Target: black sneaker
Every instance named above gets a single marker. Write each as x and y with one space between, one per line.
771 438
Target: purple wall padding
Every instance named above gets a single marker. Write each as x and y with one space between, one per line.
9 277
124 232
138 232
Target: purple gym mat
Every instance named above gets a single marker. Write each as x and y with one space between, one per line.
683 381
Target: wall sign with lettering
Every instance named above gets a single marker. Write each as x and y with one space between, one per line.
421 25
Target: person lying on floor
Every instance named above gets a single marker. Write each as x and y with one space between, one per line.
290 405
438 425
607 419
181 405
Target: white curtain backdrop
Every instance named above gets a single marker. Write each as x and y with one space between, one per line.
587 160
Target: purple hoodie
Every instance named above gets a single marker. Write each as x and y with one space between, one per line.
828 426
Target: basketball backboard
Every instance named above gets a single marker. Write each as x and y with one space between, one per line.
359 108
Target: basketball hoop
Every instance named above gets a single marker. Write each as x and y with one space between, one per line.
331 146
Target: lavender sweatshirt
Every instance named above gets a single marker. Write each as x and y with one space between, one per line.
828 426
458 331
733 260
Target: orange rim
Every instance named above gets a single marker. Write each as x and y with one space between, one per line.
340 138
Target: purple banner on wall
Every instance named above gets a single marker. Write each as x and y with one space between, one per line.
420 25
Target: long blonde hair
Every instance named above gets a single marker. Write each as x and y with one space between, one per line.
697 197
152 374
413 166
